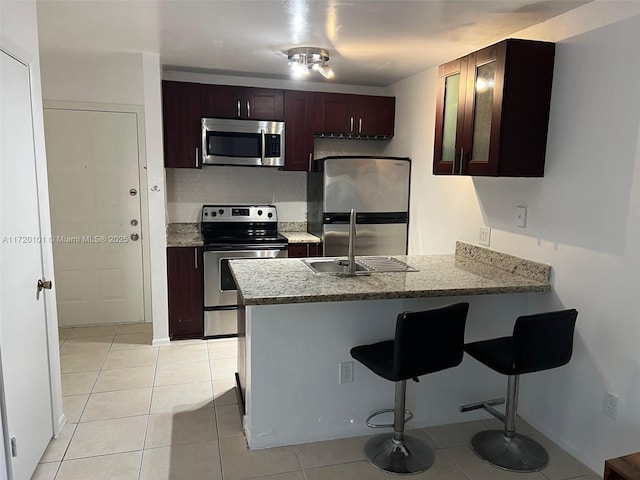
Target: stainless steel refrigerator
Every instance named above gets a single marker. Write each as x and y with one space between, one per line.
376 187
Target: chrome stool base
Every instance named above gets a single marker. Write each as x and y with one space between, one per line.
408 456
516 454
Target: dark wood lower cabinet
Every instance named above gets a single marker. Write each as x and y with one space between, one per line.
623 468
303 250
186 292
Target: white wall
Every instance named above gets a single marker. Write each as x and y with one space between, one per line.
582 219
101 78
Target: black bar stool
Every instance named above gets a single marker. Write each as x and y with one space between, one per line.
425 342
539 342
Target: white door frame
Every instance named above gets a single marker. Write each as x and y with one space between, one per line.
138 110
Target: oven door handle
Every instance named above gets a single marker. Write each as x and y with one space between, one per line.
263 147
249 249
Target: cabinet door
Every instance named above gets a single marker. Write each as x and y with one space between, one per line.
450 105
181 123
314 250
263 104
335 113
483 106
375 115
304 250
299 119
297 250
186 295
222 101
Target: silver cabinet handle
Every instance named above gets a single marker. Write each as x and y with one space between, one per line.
195 257
248 109
310 159
453 164
351 124
263 146
238 108
197 157
360 126
461 160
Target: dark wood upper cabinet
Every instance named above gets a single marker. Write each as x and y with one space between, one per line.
375 115
492 111
181 124
225 101
299 109
186 292
354 115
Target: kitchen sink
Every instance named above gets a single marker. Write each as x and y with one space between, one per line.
364 265
334 266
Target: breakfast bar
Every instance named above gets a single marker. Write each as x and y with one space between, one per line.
296 327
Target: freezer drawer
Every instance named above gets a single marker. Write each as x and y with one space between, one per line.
373 239
221 322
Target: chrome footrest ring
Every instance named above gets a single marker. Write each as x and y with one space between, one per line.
408 416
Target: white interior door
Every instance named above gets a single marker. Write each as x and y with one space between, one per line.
94 187
23 329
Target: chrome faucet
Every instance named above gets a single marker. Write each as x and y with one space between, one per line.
352 243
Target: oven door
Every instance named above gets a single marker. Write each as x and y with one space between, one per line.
220 291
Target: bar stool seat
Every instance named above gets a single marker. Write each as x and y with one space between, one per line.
425 342
539 342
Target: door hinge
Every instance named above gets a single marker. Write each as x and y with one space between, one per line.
14 447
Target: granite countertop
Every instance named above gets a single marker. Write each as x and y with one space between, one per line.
472 270
300 237
188 234
184 235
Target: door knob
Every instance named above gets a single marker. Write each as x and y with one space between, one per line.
135 236
42 285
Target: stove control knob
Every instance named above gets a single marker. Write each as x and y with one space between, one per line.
206 214
221 211
270 215
213 214
259 212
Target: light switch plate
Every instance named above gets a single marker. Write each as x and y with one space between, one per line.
521 216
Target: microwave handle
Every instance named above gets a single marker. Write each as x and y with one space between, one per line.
263 146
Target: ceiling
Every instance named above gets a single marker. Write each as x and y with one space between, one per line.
371 42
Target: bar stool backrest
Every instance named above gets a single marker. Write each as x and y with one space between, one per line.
429 341
543 341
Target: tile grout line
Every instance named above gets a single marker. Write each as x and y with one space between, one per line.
215 410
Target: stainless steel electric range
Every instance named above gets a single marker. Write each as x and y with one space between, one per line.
233 232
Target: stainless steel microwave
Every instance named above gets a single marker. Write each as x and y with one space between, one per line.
242 142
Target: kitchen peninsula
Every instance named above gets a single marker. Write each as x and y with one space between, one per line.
297 327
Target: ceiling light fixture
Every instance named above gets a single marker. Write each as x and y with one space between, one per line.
304 59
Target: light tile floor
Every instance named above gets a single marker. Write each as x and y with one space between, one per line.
153 413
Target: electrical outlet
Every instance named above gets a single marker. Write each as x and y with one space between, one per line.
610 407
521 216
485 236
346 372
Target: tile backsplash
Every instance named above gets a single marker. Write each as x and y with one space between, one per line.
189 189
